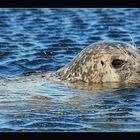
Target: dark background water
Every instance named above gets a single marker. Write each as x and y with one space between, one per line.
42 40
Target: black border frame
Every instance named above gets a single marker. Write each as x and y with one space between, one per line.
69 4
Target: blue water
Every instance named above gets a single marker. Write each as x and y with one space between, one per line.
43 40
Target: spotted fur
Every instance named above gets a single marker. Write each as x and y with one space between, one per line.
93 64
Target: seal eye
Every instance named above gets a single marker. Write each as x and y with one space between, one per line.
117 63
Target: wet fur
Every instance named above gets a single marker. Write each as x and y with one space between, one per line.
93 64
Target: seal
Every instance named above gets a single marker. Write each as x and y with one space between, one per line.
104 62
102 66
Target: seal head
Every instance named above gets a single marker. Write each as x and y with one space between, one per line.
104 62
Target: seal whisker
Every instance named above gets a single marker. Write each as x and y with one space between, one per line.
133 42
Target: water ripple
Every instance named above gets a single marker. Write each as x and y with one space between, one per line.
42 40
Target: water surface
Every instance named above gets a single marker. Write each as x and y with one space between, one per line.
42 40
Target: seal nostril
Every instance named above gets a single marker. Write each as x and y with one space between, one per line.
102 62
